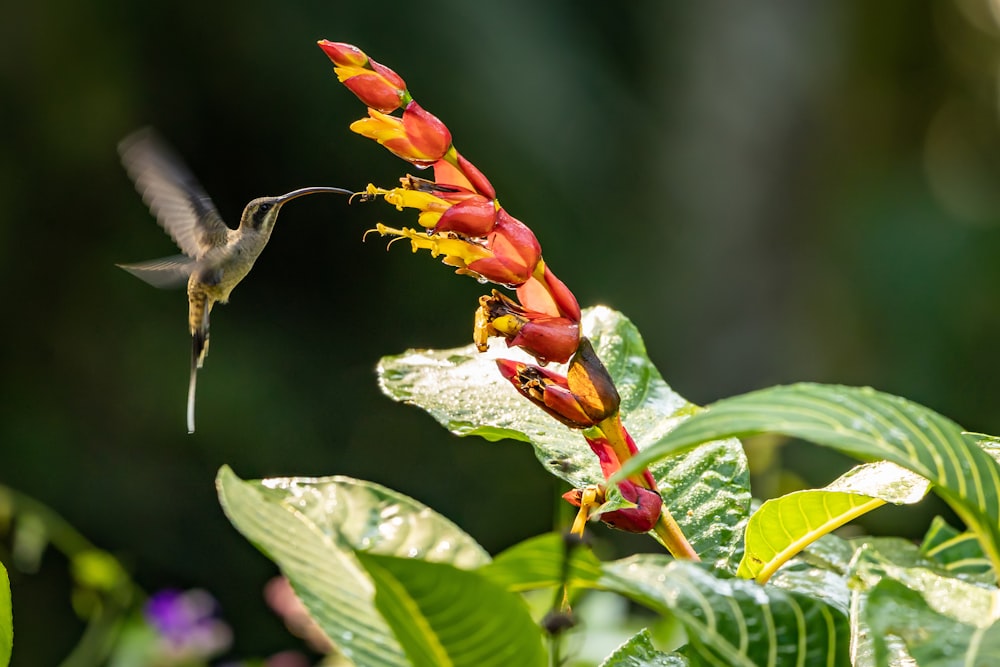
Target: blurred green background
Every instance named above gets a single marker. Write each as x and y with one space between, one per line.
773 191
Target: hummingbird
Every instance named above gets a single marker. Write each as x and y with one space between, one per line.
215 257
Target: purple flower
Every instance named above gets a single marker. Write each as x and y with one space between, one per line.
187 623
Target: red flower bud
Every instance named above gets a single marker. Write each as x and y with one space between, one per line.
476 178
389 76
418 137
344 55
425 132
374 91
376 85
639 519
446 173
591 383
546 338
475 216
515 250
547 390
547 294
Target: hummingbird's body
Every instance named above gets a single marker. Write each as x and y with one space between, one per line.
216 257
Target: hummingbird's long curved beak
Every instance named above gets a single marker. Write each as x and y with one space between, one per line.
310 191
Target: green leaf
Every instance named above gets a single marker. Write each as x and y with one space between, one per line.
735 622
932 639
542 562
442 615
707 490
958 552
6 619
880 559
877 559
311 528
783 526
639 651
866 424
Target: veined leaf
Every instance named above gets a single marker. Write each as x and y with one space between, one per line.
734 622
783 526
866 424
957 551
442 615
639 651
542 562
885 558
311 528
932 639
6 619
895 558
707 490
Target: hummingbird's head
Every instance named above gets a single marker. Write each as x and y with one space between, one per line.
261 213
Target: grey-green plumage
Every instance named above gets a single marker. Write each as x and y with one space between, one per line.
216 257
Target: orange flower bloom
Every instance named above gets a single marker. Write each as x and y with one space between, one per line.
376 85
418 137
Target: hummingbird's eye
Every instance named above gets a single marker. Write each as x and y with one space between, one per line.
260 214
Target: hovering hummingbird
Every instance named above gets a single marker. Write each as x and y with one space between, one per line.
216 257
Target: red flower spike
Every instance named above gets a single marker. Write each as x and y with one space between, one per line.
588 380
344 55
546 390
479 182
475 216
515 250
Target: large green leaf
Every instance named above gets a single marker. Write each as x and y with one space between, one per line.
707 490
957 551
639 651
311 528
735 622
876 560
864 423
442 615
542 562
932 639
6 619
783 526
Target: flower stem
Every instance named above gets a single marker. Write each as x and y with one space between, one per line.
670 536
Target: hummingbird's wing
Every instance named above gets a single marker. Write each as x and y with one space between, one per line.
172 193
165 272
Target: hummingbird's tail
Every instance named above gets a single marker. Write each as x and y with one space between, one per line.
199 348
190 405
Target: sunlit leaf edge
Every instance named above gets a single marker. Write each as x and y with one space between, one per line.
327 578
966 477
443 615
769 542
6 619
687 590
